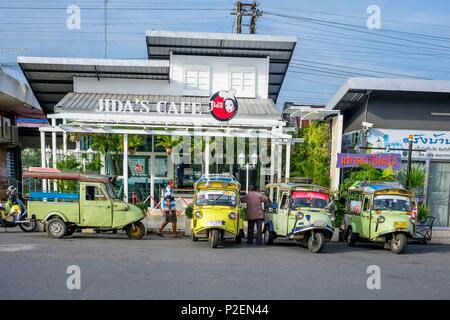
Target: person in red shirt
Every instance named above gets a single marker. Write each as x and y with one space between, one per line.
254 201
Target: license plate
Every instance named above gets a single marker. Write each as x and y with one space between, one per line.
319 223
215 223
401 224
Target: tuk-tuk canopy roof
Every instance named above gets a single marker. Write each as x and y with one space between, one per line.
372 187
52 173
226 180
297 186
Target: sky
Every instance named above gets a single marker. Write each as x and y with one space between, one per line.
334 42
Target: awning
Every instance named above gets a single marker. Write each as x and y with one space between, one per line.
355 88
251 109
16 97
52 78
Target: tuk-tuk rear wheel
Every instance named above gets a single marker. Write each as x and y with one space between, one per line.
56 228
135 230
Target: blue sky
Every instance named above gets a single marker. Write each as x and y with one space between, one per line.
333 40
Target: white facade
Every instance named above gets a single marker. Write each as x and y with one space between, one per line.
191 76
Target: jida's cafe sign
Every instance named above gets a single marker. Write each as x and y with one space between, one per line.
223 106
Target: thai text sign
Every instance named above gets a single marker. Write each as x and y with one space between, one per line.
379 161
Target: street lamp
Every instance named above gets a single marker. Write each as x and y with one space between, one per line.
253 162
90 154
48 154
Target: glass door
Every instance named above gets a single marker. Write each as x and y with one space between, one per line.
439 193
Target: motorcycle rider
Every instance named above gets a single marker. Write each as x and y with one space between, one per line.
13 199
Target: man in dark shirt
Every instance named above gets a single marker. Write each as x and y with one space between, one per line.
254 201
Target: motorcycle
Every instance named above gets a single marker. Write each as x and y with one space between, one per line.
14 213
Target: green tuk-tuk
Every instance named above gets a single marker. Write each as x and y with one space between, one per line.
379 212
72 201
300 212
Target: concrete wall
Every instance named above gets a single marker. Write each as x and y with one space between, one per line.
401 110
219 68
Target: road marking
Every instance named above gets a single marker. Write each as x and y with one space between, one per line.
16 247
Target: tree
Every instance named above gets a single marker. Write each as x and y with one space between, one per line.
311 158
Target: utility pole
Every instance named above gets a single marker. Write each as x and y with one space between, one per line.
246 10
105 13
410 149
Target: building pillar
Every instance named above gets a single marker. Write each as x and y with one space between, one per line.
288 160
54 153
152 174
279 159
125 167
43 160
206 157
64 140
272 163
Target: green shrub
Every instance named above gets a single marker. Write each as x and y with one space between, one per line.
189 211
243 213
423 211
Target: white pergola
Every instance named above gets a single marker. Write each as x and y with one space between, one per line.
197 126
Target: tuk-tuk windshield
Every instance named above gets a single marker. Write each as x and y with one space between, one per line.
215 197
311 199
111 191
392 202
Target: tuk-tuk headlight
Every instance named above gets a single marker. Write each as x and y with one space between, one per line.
198 214
380 219
299 216
232 215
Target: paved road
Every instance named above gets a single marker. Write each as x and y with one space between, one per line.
33 266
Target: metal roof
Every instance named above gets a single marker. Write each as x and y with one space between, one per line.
85 102
357 87
17 98
278 48
52 78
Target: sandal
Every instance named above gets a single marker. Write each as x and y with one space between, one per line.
159 233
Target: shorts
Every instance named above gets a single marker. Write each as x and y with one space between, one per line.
169 218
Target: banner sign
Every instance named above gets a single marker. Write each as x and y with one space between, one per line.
223 106
379 161
435 144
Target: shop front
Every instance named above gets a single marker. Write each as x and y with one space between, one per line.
202 104
380 115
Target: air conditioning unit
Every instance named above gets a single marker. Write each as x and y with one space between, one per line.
15 135
5 132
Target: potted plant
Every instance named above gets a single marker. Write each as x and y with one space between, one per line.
166 142
422 212
134 142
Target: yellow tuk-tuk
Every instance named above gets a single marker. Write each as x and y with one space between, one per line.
216 210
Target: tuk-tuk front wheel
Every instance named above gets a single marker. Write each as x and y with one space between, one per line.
268 236
214 238
398 243
351 238
240 236
56 228
316 242
135 230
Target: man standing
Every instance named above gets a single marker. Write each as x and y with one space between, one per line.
255 214
169 209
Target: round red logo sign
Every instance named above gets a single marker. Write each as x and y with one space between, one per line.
223 105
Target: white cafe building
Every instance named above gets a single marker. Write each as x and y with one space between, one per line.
172 93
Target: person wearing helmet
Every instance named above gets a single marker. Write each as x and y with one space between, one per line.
13 201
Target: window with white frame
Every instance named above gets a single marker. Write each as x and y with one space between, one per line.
196 80
242 80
